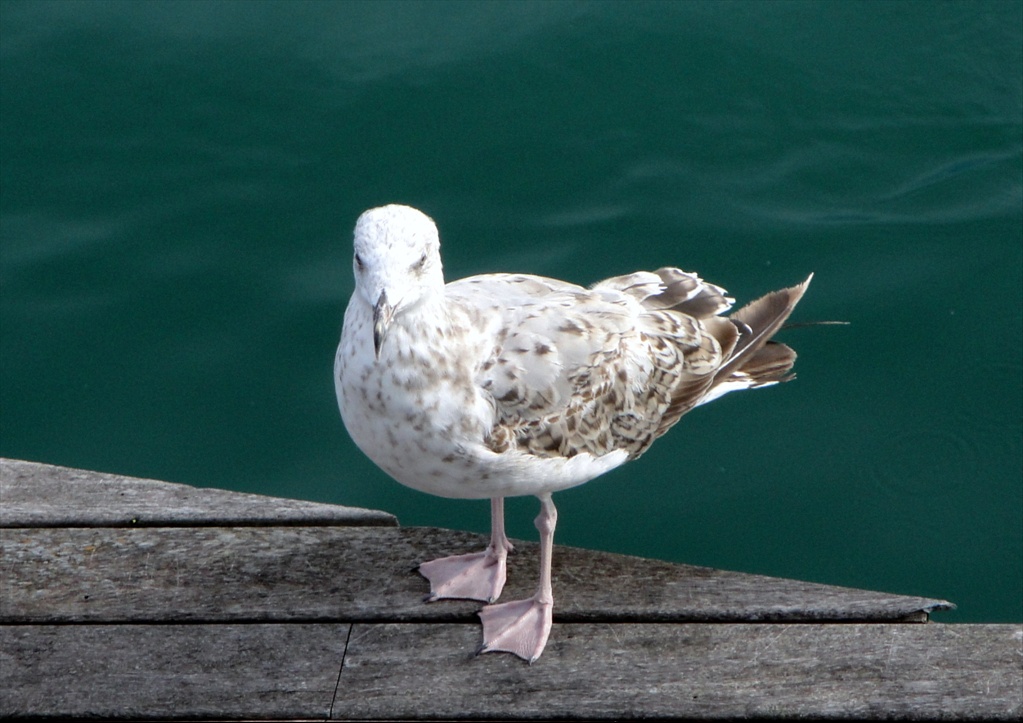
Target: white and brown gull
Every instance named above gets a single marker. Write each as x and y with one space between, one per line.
509 384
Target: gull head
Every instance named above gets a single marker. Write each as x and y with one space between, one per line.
396 263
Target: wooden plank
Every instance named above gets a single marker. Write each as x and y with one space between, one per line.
283 574
393 671
697 671
170 671
43 495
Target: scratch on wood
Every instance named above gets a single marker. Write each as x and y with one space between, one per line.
340 670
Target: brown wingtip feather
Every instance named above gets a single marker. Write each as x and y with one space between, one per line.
770 363
745 340
757 322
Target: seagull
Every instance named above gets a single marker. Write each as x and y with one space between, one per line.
502 385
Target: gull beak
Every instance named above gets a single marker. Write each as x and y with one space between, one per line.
382 314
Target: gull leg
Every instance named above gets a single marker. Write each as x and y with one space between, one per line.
522 626
476 576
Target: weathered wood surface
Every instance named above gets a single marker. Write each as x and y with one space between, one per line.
44 495
170 671
690 671
408 671
222 612
366 574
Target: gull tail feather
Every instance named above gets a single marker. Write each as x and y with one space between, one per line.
755 359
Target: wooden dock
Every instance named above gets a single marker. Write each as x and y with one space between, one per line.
128 598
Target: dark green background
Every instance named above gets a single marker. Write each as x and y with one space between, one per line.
180 179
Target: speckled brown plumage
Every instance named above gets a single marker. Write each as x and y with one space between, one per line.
609 375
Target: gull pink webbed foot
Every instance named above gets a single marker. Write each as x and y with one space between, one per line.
520 627
477 576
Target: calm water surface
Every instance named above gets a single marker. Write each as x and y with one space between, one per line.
178 183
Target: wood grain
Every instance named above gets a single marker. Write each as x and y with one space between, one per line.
44 495
170 671
692 670
596 671
137 599
205 574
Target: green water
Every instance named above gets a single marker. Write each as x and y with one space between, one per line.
178 183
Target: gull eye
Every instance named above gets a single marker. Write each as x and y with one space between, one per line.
359 263
418 265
